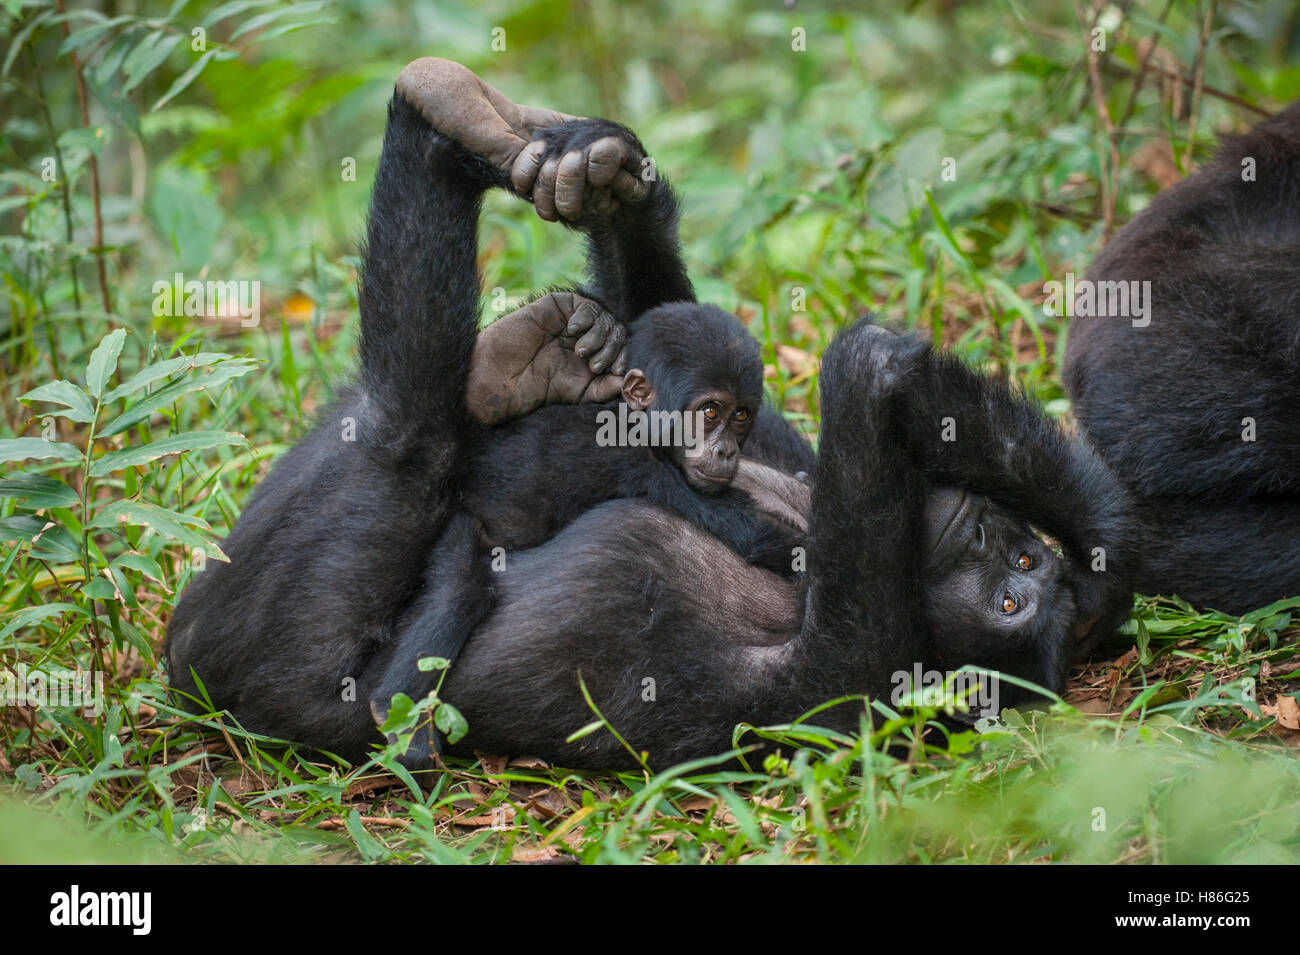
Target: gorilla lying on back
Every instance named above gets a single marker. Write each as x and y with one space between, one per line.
1197 405
350 553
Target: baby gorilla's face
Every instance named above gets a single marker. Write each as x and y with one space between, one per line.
996 595
720 425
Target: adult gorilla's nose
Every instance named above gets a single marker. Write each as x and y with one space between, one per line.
944 507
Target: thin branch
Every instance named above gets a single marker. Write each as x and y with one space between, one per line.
94 168
1120 69
1109 177
1199 80
1142 70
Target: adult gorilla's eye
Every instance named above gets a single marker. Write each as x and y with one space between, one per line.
741 415
710 410
1009 604
979 533
1025 562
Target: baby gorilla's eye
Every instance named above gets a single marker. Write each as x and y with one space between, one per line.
710 410
1009 604
741 416
1025 562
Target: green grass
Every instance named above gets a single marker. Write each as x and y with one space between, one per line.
813 192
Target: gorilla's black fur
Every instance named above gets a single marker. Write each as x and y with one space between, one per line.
1198 411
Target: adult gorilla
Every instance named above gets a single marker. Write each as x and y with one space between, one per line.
1196 405
351 550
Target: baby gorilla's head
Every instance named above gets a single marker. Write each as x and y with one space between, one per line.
701 362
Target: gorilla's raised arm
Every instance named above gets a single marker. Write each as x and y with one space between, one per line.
966 430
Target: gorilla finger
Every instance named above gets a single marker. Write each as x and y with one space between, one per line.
569 184
604 159
527 164
604 359
544 191
619 367
605 388
629 187
596 336
585 312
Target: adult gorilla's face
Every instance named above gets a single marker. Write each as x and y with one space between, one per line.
996 595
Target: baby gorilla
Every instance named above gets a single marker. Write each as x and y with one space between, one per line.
690 397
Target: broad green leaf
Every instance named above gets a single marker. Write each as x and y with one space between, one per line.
176 444
285 28
169 524
100 588
399 712
37 491
30 616
448 719
141 563
162 369
103 362
262 19
18 449
55 544
163 397
21 527
80 407
230 9
185 79
78 39
147 64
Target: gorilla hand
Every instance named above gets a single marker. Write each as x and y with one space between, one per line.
580 167
560 349
463 108
778 495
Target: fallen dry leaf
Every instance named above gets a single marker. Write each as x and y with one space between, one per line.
534 856
500 816
492 765
530 762
1288 712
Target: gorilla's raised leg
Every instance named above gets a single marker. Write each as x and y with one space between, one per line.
334 543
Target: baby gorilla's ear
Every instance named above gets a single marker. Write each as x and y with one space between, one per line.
637 391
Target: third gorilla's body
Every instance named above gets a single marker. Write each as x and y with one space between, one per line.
1197 404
